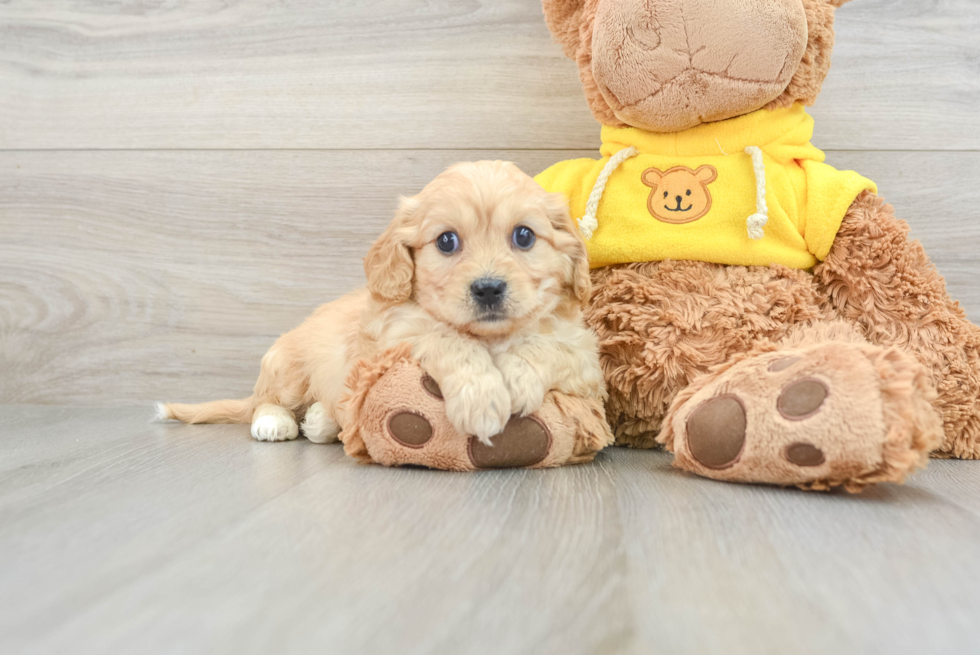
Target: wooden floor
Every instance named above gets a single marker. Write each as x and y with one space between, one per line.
182 181
118 536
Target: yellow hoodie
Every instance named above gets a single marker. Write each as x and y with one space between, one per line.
749 191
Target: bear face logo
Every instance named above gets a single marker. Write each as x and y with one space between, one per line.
680 195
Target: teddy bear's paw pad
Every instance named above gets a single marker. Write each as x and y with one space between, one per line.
524 442
802 399
716 432
409 429
783 363
431 387
805 455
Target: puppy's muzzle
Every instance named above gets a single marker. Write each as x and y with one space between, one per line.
489 293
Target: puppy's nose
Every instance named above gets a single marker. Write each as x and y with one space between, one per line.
679 201
488 292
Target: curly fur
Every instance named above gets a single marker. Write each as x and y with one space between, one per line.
663 324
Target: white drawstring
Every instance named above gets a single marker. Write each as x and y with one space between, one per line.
588 224
757 221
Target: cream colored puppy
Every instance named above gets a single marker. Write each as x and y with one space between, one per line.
483 273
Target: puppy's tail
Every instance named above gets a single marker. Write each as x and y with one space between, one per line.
218 411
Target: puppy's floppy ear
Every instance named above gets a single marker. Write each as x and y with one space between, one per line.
389 264
838 3
569 242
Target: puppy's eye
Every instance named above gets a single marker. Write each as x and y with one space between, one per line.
666 194
523 237
688 192
447 243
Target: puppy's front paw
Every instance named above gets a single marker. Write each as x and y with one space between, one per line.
524 385
480 406
275 427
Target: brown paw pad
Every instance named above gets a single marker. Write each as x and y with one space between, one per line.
804 454
409 429
802 399
524 442
432 387
783 364
716 432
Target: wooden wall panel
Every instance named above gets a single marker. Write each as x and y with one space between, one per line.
385 74
129 276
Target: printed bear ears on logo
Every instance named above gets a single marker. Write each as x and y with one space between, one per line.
705 175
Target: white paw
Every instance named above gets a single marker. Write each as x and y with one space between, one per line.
480 407
524 385
318 427
274 427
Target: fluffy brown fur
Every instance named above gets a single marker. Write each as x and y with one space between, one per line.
883 282
661 325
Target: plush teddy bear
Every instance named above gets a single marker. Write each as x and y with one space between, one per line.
761 314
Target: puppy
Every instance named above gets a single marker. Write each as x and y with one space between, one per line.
483 273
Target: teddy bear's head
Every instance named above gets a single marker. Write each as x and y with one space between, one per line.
669 65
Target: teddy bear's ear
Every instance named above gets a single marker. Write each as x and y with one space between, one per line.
809 77
564 18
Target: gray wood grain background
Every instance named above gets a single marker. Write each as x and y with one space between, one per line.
180 182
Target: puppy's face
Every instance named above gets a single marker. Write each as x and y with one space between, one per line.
483 248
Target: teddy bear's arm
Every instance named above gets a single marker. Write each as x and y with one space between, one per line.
830 194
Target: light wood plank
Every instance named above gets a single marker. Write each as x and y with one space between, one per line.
412 74
134 276
119 536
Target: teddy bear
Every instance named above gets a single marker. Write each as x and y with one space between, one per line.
762 315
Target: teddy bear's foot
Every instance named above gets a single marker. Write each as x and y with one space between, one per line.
831 415
398 417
